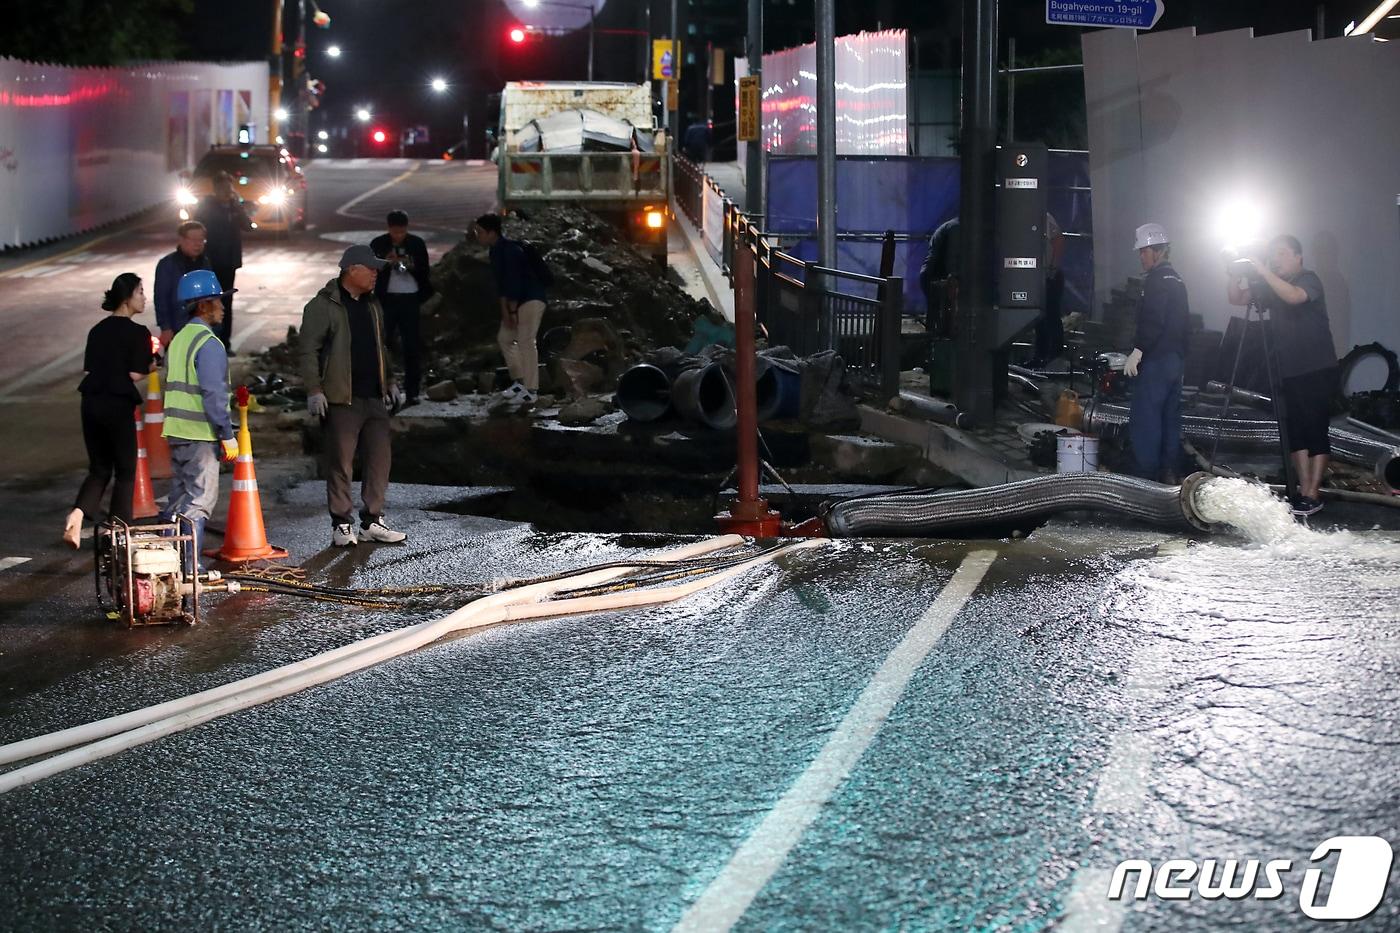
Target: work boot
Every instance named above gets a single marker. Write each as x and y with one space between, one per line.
376 530
343 535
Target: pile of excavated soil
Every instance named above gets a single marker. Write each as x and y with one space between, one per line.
596 275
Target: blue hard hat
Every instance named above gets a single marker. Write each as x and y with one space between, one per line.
199 285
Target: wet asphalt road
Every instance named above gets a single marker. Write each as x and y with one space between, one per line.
1103 694
49 297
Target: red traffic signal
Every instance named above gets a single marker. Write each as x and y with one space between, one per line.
517 34
379 136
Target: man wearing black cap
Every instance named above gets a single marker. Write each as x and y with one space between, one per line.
347 384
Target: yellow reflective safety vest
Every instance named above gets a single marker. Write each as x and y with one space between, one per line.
184 404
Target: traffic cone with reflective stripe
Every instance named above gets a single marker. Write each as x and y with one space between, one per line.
157 447
245 538
143 496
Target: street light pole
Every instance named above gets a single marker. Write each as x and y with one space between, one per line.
592 15
753 150
826 135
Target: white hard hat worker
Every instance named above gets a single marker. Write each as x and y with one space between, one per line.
1151 235
1153 247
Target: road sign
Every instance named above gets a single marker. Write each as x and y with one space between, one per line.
1123 14
750 109
663 67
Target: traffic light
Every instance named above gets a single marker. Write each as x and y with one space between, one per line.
379 136
517 34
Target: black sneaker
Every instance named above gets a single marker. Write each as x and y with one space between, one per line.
1305 505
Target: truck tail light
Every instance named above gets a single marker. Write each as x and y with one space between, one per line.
655 219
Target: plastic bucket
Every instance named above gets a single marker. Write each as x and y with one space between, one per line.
1076 453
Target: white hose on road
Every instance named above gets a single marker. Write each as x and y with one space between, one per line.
78 735
514 605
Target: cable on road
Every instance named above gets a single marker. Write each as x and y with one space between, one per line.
285 580
672 573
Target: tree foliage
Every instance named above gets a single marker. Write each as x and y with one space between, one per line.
94 32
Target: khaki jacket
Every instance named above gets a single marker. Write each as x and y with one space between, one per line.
325 344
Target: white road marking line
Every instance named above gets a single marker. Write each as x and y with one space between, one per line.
247 332
1123 783
7 562
34 375
760 856
1084 905
344 209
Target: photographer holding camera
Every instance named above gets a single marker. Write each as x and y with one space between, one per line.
402 289
1307 359
1158 360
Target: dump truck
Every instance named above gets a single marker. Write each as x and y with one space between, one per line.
589 143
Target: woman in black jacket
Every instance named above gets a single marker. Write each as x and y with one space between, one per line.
118 356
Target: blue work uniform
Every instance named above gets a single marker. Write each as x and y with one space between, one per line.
1154 420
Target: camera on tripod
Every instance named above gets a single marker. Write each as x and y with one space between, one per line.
1239 265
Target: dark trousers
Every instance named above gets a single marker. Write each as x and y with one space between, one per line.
109 431
362 425
225 276
1154 419
401 317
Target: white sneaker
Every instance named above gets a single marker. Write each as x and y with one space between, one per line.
378 531
343 535
514 391
526 396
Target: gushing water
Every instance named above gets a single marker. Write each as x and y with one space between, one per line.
1249 507
1265 519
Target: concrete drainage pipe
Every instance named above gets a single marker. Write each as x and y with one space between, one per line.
644 393
703 395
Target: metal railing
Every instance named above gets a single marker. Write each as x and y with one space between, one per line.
704 202
801 305
811 308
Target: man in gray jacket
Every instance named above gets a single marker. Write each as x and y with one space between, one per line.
347 384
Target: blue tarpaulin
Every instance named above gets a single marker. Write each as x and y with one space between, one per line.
913 195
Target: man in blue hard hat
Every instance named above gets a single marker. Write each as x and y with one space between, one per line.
197 421
1158 360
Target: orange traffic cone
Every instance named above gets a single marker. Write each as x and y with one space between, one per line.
143 497
245 538
157 447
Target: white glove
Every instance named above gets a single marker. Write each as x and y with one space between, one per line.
1130 367
317 405
394 399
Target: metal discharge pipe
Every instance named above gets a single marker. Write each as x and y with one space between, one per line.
935 409
1381 457
1241 395
1028 500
